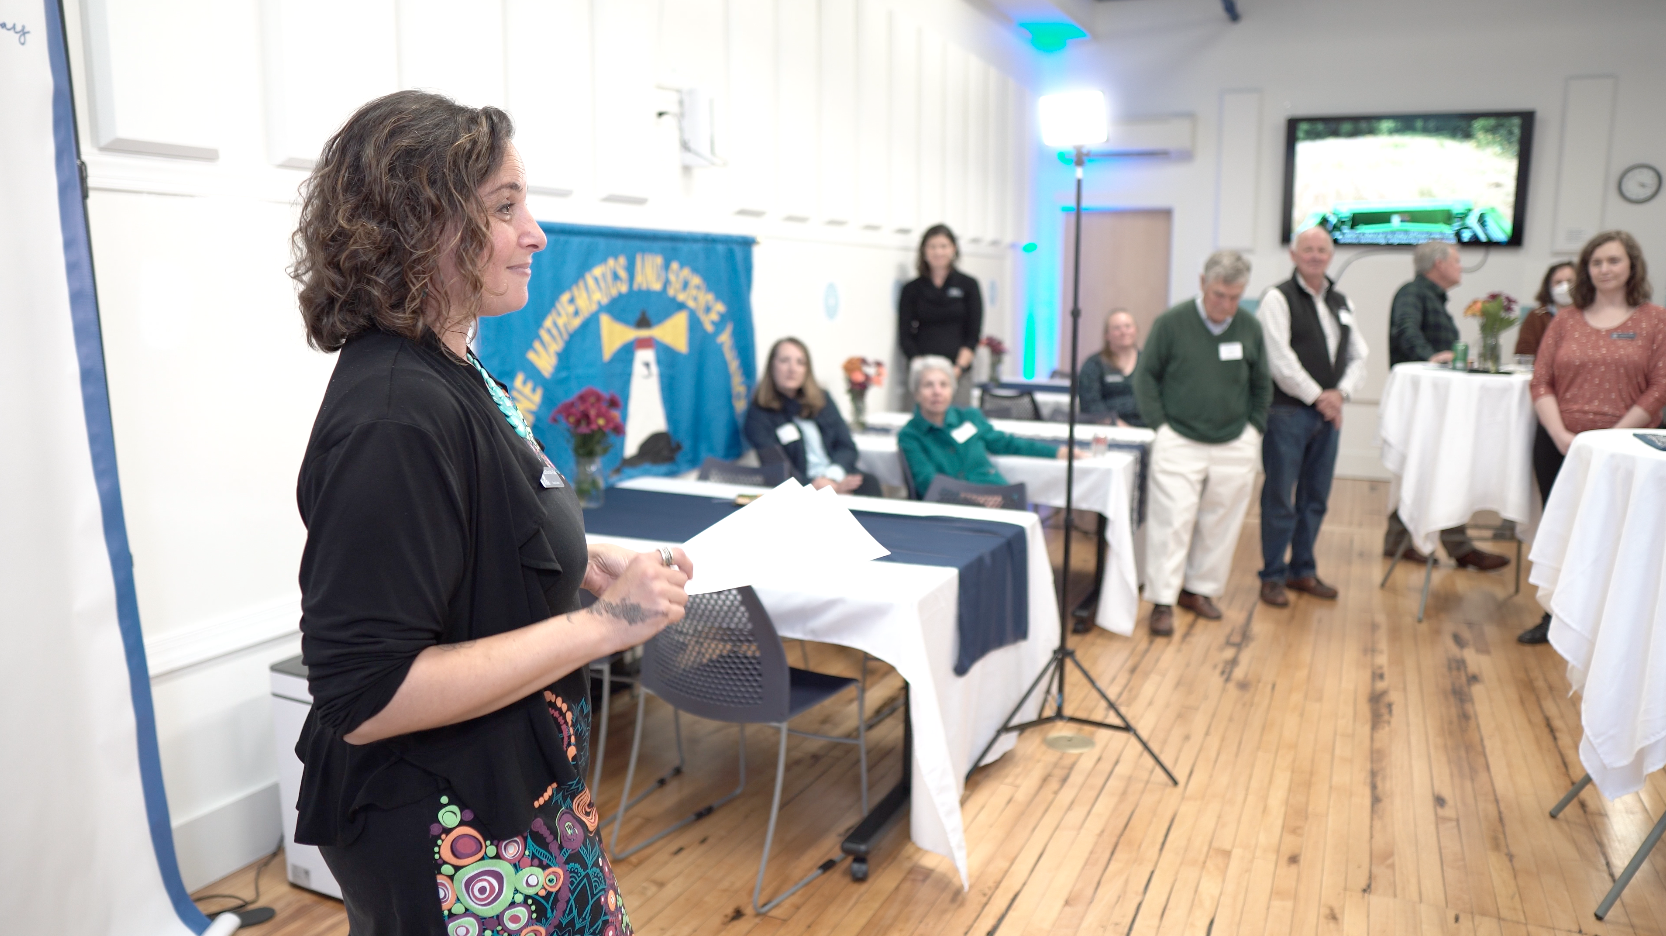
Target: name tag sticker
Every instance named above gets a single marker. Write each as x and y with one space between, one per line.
955 292
788 433
1114 378
1232 350
1345 317
551 478
963 432
1623 336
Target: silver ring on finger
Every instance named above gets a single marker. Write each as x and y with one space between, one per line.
666 557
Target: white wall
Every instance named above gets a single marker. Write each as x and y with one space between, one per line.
198 118
1319 57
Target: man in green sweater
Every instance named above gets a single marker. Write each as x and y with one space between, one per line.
1203 383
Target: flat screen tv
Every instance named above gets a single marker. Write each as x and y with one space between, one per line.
1409 178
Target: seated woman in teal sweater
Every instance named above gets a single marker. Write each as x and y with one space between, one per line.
956 441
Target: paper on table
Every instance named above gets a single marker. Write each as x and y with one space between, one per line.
784 533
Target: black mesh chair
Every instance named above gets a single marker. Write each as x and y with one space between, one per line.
724 661
767 475
1009 404
947 490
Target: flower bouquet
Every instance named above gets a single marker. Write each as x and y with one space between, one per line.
590 417
1497 312
997 352
860 375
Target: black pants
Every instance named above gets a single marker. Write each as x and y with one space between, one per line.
1547 463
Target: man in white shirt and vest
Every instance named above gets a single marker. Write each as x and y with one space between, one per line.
1317 359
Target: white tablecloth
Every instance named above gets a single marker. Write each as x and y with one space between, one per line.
907 615
1104 484
1460 443
1049 431
1599 560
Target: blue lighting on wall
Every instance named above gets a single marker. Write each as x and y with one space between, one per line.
1051 37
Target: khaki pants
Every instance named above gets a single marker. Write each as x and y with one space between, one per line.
1198 497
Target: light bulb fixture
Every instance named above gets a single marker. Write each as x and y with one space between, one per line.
1074 118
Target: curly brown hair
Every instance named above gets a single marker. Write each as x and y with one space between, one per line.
1638 290
395 191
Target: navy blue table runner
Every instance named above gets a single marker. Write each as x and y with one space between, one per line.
992 557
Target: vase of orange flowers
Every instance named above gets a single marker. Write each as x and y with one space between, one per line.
997 352
1497 312
590 416
861 375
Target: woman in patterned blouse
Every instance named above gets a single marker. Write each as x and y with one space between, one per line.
1601 363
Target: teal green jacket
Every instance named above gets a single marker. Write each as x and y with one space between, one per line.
932 450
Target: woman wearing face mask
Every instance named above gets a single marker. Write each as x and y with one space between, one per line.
791 412
1601 363
1555 294
1104 387
941 311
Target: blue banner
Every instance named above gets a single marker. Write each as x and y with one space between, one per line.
663 319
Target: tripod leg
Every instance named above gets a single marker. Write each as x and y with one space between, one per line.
1398 551
1131 729
1046 671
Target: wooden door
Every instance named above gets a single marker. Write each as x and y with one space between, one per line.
1125 265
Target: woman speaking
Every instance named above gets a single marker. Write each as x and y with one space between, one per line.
941 311
446 746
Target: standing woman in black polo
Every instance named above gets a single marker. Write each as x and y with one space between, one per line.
941 311
446 748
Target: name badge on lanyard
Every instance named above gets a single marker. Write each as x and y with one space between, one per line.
1232 350
551 476
963 432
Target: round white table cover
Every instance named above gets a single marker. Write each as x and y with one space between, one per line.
1459 443
1599 560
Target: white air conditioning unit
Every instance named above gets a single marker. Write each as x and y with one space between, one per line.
697 124
1151 138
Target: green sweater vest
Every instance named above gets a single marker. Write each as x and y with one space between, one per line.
1183 381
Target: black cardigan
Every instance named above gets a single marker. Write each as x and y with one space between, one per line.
423 527
932 320
835 437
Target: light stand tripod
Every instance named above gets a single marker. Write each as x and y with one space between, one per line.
1064 657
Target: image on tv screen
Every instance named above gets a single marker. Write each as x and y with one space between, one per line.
1409 178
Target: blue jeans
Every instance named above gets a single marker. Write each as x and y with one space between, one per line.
1299 456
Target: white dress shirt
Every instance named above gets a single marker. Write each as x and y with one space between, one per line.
1286 369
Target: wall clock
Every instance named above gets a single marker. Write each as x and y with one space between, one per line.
1639 183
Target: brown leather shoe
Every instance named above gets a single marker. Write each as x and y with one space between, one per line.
1201 605
1273 594
1484 561
1161 621
1409 554
1311 585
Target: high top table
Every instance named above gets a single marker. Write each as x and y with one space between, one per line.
1458 443
907 616
1599 559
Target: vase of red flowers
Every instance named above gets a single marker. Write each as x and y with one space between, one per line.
861 375
590 417
997 352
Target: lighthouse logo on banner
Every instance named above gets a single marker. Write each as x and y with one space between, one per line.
662 319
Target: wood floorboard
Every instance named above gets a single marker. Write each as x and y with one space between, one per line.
1344 770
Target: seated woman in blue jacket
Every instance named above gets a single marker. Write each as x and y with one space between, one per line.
790 411
951 440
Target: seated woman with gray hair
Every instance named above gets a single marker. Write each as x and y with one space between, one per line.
952 440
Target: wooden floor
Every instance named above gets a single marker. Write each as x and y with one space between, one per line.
1343 769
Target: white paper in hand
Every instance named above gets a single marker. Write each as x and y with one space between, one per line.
789 531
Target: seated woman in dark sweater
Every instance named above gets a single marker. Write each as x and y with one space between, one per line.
790 412
1105 386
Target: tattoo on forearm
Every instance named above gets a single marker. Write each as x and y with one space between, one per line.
628 611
